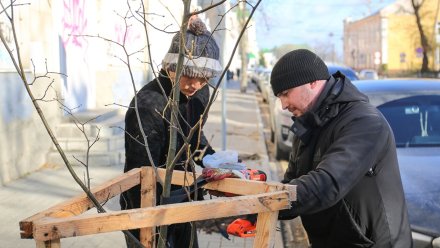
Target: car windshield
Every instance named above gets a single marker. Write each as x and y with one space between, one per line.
415 121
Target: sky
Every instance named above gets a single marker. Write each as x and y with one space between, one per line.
309 21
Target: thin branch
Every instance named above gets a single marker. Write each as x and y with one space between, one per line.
206 9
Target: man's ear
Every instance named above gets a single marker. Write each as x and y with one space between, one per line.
313 84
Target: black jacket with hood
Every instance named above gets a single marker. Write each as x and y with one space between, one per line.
344 163
152 102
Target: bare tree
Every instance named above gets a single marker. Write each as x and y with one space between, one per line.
243 47
423 38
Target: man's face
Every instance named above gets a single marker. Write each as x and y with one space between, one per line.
298 100
189 86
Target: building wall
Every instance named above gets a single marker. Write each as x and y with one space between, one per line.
72 37
362 42
96 77
24 141
390 38
402 41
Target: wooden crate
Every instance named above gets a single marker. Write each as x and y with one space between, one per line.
66 219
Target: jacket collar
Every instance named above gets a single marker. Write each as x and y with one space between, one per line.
323 110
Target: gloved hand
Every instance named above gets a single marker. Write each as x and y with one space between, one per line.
215 174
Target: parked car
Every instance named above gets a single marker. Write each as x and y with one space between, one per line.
266 89
412 108
367 74
346 70
261 79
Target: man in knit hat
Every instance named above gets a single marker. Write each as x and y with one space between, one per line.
200 65
343 159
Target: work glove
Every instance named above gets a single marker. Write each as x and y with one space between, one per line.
215 174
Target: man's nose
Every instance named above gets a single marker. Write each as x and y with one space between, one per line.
283 103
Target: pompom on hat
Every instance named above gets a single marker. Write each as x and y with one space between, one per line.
201 53
297 68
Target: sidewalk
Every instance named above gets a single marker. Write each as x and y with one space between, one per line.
47 187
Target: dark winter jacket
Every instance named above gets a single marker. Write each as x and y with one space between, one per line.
345 165
152 103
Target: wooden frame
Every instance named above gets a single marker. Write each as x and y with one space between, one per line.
64 220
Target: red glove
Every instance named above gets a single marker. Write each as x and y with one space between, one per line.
215 174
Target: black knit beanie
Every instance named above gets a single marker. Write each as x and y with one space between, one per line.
296 68
201 53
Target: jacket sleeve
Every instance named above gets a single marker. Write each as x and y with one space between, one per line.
357 147
203 96
155 131
135 150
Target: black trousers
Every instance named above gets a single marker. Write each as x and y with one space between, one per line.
178 235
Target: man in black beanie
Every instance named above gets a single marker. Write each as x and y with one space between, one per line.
343 159
201 63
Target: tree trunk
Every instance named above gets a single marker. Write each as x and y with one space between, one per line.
423 39
243 48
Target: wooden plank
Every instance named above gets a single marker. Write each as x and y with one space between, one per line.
179 177
266 229
148 199
52 228
56 243
232 185
247 187
81 203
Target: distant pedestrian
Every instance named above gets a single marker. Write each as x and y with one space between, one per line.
152 100
343 159
229 75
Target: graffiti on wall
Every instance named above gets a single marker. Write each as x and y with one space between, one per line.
74 23
79 85
124 32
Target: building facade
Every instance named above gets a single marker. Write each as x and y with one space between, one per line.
80 41
389 40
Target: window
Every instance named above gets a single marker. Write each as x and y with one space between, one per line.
415 121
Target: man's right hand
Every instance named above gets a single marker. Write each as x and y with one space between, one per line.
215 174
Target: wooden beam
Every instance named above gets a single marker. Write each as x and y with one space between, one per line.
179 177
148 199
248 187
53 228
81 203
266 229
232 185
56 243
